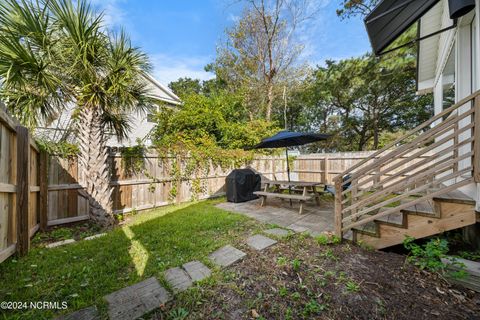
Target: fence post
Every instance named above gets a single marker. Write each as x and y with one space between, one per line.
476 141
338 207
23 189
43 190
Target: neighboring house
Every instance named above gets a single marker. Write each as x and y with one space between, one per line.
427 182
141 123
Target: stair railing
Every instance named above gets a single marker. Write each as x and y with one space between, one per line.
437 157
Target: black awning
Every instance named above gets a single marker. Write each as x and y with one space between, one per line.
391 18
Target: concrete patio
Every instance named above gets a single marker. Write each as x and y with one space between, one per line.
315 219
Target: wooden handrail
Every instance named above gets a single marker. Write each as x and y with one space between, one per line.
398 186
441 128
411 132
424 150
428 161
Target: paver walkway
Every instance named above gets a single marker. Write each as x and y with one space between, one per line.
197 270
259 242
136 300
226 256
178 279
182 279
281 233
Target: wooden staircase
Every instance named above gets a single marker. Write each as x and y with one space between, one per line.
412 186
443 213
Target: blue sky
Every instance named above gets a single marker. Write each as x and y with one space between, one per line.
181 36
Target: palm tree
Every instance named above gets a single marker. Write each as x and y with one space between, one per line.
54 53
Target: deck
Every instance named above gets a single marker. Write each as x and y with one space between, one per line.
315 219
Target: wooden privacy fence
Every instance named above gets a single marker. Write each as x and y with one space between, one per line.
324 167
152 185
20 210
155 185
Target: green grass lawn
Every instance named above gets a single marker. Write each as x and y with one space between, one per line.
83 272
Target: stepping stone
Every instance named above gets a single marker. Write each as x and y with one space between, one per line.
226 256
60 243
297 229
197 270
259 242
281 233
95 236
136 300
178 279
89 313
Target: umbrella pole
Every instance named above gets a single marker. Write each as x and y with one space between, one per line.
288 174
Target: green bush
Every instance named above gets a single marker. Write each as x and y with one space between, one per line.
428 257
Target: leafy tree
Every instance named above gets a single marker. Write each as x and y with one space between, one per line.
208 125
360 99
54 53
186 86
352 8
261 52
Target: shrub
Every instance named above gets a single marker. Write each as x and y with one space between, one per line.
428 257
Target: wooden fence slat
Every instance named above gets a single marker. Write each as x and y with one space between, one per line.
23 190
43 190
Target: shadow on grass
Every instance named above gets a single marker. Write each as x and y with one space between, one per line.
82 273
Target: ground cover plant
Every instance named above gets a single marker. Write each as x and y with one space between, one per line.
146 245
307 278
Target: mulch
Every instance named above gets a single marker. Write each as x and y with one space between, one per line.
300 279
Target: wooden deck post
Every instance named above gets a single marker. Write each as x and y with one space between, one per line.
23 190
476 141
43 190
338 207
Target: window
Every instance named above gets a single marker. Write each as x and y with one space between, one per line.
448 81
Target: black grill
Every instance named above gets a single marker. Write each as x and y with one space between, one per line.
241 183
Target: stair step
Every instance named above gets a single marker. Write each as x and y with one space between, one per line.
369 228
424 209
455 196
396 219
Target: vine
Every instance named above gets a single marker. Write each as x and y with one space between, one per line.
133 159
133 162
62 149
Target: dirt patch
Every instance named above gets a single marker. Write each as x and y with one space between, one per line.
300 279
76 231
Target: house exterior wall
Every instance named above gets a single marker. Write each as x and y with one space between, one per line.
462 42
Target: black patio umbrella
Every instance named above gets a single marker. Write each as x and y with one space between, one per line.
285 139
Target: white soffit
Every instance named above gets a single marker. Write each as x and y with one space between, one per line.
428 48
160 92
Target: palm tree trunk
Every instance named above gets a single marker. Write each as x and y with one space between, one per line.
93 163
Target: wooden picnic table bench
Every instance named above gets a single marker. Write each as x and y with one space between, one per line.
309 191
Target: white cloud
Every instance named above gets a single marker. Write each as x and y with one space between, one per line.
167 68
114 15
317 22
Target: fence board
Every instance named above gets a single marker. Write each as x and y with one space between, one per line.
10 186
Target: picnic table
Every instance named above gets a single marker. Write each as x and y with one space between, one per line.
308 191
